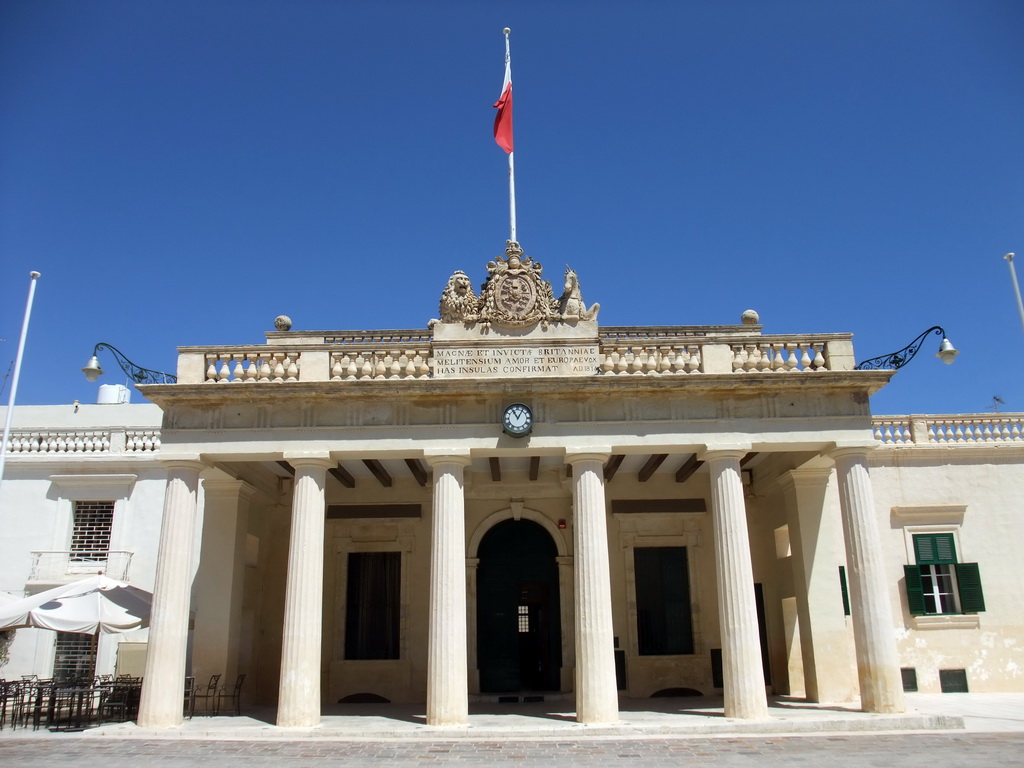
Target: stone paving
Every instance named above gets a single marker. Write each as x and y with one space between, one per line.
978 729
991 750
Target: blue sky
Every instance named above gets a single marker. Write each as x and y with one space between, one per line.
181 172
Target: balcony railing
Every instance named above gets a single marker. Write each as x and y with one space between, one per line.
63 565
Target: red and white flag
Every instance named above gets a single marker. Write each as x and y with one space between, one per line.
503 120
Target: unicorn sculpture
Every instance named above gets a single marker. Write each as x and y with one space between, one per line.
571 305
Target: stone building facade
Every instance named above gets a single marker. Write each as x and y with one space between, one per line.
519 502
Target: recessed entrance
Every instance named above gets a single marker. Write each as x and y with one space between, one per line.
519 632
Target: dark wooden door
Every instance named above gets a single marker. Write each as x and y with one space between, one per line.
518 630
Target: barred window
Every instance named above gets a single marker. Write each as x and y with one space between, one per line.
90 538
73 657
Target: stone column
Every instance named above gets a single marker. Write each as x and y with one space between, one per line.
164 682
447 663
299 700
742 673
597 698
881 687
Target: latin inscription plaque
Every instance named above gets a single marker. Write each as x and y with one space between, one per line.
512 361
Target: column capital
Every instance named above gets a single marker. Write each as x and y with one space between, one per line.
309 459
458 456
715 451
589 453
841 449
228 486
184 461
805 477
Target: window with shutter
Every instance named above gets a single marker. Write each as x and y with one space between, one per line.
937 583
844 590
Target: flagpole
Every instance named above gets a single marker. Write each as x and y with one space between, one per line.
17 372
511 164
512 197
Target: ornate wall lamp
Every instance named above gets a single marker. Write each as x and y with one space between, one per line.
136 373
895 360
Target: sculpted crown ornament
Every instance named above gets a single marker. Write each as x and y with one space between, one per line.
514 295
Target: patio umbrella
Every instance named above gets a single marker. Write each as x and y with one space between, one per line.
89 606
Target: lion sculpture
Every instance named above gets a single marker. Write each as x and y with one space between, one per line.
459 304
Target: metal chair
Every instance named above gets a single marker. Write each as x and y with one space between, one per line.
10 695
114 703
234 696
190 692
209 694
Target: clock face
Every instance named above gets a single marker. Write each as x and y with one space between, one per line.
517 420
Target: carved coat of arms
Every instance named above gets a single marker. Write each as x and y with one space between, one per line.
514 294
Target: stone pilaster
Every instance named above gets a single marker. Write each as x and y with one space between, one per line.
567 619
815 531
742 673
881 688
220 579
299 700
597 699
164 682
447 663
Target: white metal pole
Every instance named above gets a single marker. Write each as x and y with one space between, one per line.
1016 287
511 164
17 372
512 197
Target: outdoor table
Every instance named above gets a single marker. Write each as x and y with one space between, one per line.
72 708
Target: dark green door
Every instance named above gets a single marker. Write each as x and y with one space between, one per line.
518 630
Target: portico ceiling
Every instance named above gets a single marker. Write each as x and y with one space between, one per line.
389 472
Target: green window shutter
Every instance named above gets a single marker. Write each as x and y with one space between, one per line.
842 586
915 590
968 579
934 548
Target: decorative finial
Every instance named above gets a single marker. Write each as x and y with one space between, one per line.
283 323
750 317
506 30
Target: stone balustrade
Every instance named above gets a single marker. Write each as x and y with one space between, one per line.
83 442
352 355
142 441
969 429
387 338
59 442
778 356
650 358
387 363
261 364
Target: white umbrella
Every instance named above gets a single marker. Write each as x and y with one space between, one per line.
88 606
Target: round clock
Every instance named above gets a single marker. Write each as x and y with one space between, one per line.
517 420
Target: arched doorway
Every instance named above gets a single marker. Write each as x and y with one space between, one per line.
519 635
